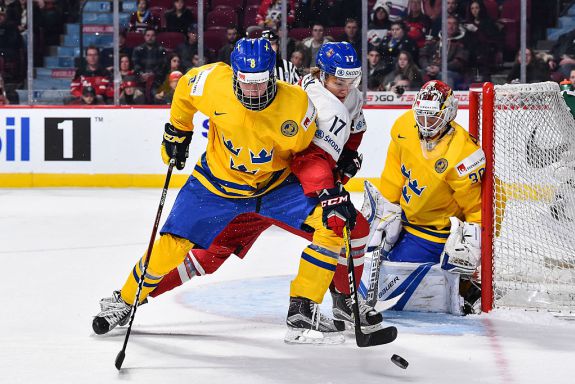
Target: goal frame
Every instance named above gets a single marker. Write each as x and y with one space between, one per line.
486 114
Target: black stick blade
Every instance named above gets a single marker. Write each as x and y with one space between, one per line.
120 359
379 337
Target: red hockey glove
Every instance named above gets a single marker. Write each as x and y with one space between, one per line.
337 209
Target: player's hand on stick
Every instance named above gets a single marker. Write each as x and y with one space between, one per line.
337 209
175 145
348 164
462 252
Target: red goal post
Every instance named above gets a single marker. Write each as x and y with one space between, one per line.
528 196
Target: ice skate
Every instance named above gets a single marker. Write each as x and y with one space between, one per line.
114 311
370 319
306 324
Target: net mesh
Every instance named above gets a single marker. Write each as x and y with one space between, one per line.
534 198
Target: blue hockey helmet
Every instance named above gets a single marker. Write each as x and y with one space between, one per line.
253 62
339 60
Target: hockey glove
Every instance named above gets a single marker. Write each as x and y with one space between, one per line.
462 252
337 209
175 145
349 164
384 218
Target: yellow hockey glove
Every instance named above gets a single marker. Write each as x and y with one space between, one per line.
175 145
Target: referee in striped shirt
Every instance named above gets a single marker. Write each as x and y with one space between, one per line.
285 70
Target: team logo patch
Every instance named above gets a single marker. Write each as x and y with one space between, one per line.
289 128
319 134
441 165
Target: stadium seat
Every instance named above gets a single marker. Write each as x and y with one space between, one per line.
335 32
170 40
222 16
250 14
492 9
237 5
214 39
249 3
299 33
134 39
159 13
166 4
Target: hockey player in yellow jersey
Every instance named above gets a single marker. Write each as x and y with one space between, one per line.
429 209
257 125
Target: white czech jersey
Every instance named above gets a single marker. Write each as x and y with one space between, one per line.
335 120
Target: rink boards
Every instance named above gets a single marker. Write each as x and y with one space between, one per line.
49 146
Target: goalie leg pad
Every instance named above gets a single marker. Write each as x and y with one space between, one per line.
426 287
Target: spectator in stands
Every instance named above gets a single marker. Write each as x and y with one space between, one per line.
572 76
374 63
406 67
399 85
88 96
453 11
352 35
148 58
325 12
563 52
162 80
269 13
3 97
10 47
310 46
52 20
397 9
457 56
142 19
395 43
92 75
484 38
418 24
166 96
297 59
189 48
379 23
226 50
432 8
179 18
107 54
536 70
126 67
285 70
130 94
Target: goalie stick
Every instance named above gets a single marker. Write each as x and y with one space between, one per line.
381 336
372 289
122 354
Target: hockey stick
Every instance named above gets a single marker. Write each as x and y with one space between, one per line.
381 336
371 295
122 354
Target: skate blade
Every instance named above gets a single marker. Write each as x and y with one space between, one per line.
350 327
310 336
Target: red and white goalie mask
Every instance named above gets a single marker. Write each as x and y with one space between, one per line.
434 108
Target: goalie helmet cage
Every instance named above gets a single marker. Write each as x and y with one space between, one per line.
528 196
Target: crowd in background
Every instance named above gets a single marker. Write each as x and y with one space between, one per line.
404 43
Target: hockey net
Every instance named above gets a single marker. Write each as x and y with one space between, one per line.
528 244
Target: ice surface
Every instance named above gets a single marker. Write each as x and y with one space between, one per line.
61 250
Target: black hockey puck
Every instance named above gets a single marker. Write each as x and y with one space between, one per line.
399 361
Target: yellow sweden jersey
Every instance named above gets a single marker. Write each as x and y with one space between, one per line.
248 152
431 188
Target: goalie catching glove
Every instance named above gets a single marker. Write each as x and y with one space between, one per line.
384 218
337 209
175 145
462 252
349 164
